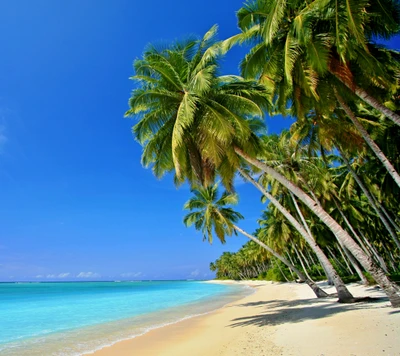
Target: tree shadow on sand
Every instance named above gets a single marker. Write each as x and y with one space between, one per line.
276 312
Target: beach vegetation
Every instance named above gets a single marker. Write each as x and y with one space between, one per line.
330 184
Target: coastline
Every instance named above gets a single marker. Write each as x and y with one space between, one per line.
278 319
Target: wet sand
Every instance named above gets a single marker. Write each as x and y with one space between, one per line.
278 319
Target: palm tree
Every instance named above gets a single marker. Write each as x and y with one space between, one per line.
374 147
210 214
199 125
343 293
188 114
323 134
304 41
296 59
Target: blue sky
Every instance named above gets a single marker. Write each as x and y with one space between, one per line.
75 202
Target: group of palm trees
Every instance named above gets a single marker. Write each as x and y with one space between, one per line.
333 177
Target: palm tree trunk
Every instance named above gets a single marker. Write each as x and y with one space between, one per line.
291 261
391 259
317 290
344 294
390 288
314 263
371 199
339 247
340 264
373 250
283 274
305 259
374 147
327 270
301 262
397 227
347 222
363 95
310 256
355 265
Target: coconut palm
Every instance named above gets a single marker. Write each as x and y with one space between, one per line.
323 134
188 114
306 40
370 142
199 125
343 293
295 59
211 214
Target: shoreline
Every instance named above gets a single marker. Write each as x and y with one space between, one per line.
278 319
181 302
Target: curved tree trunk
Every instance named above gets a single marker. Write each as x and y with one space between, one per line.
291 261
348 253
301 262
373 250
340 248
355 265
397 227
371 199
370 142
325 265
390 288
317 290
344 294
347 222
305 259
363 95
283 274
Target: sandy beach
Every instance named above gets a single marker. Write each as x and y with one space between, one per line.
278 319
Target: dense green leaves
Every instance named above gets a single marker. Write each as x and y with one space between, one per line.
189 117
212 214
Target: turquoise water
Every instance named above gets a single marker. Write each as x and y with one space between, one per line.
76 318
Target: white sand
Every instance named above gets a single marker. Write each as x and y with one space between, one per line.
279 319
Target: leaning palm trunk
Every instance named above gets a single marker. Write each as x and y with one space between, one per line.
373 250
326 265
390 288
340 264
301 262
355 265
344 257
305 259
281 271
363 95
371 200
343 293
370 142
317 290
347 222
397 227
291 261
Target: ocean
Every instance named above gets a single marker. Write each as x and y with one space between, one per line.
78 318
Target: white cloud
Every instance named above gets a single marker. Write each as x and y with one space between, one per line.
51 276
3 137
39 276
63 275
131 274
195 273
3 130
88 275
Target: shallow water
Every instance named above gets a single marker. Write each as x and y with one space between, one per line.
76 318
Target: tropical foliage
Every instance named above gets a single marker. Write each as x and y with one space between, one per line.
330 184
